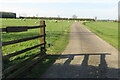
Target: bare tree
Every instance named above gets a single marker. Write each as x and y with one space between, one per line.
58 16
74 16
95 18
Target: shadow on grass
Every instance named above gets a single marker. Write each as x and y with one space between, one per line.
45 62
38 69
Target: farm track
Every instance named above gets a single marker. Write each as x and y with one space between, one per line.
86 56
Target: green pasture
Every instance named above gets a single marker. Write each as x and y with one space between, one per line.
106 30
57 35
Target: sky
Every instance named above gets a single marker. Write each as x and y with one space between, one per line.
102 9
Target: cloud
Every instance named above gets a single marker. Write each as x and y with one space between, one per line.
107 12
61 1
31 11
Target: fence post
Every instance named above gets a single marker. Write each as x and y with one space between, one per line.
42 39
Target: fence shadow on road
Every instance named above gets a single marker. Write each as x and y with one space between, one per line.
83 70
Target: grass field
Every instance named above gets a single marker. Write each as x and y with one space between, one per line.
106 30
56 32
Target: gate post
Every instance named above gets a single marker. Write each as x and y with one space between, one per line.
42 39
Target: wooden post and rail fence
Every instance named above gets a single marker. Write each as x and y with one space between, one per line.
18 68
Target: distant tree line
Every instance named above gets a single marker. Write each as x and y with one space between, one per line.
13 15
7 15
56 18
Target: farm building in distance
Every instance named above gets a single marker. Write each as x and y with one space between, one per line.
7 15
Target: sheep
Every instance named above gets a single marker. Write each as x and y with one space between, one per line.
36 22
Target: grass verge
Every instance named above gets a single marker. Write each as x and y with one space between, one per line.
106 30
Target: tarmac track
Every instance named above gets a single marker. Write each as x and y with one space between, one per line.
86 56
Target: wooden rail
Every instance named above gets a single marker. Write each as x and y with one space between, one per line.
21 40
22 51
19 28
15 70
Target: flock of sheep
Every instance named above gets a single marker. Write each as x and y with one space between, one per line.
56 21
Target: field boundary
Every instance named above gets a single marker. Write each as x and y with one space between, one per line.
15 70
